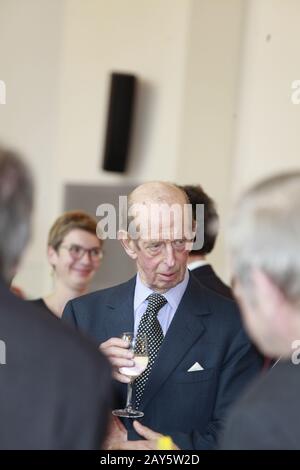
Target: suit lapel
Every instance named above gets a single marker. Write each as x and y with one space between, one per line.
186 328
120 314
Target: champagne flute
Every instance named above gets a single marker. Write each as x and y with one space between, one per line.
139 346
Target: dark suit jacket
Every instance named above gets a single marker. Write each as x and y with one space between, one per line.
206 328
54 386
268 415
207 276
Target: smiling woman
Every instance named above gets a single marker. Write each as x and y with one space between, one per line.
75 253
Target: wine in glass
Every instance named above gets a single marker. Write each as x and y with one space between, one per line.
139 346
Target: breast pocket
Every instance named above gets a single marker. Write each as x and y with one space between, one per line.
190 377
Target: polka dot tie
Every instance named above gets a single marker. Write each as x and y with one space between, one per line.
150 326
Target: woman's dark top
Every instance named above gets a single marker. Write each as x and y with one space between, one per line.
40 303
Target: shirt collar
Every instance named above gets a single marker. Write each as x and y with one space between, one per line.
197 264
173 295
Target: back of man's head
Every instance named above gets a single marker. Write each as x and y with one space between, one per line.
208 226
16 200
264 234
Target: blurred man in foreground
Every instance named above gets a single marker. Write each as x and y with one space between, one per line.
54 386
264 241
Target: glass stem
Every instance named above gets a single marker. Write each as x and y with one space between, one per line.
129 396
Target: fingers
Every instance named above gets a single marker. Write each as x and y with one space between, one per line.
116 434
135 445
116 347
120 362
120 377
115 423
151 436
145 432
121 343
117 352
118 424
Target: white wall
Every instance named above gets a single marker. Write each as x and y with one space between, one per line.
267 133
138 36
30 42
209 102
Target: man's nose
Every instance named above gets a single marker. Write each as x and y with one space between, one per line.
169 255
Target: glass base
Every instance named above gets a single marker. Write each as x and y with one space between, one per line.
128 413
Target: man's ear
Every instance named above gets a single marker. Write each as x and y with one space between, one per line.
236 288
268 295
128 244
272 301
52 256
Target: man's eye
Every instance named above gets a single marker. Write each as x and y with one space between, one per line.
155 246
179 243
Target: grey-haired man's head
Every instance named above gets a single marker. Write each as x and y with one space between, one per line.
159 234
264 245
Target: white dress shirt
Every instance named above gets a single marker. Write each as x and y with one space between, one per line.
167 312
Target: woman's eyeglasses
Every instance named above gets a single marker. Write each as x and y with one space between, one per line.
77 252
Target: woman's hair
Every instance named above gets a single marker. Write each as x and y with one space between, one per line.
70 221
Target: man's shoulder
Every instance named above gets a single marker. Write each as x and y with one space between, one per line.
217 302
23 323
45 360
222 315
209 278
282 379
267 414
278 388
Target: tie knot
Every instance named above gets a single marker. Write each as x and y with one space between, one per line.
156 302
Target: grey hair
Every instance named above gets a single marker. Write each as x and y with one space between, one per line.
264 233
16 201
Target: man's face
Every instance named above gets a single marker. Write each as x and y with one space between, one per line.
258 319
161 263
161 259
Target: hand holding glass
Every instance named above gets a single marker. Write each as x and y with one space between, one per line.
139 346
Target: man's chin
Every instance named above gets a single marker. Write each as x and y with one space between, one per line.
167 282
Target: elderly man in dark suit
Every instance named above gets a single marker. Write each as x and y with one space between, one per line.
200 358
197 261
266 221
54 386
